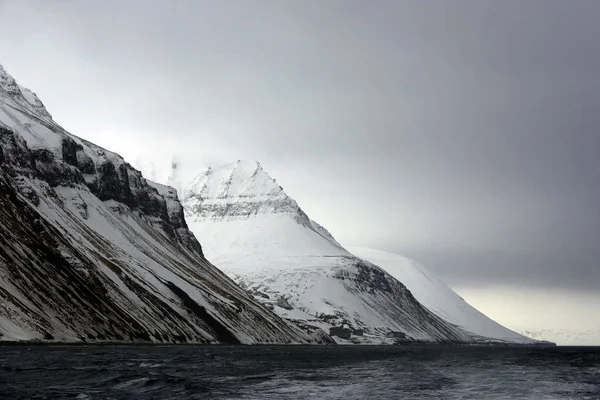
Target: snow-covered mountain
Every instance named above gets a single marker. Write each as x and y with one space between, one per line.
261 238
91 250
437 297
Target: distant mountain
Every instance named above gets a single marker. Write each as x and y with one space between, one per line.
437 297
92 251
563 337
261 238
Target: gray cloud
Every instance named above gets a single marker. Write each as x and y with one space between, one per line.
463 133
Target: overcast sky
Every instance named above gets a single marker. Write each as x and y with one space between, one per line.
465 134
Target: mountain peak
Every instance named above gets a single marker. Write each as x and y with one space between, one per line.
21 95
244 197
237 189
247 165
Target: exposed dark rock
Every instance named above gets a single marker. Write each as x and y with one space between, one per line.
113 184
396 335
222 333
342 333
283 302
69 151
372 279
85 163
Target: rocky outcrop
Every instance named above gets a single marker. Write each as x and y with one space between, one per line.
340 332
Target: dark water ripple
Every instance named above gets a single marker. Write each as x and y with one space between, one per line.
298 372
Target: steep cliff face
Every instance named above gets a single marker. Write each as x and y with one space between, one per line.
90 250
262 239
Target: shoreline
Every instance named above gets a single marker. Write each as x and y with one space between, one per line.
148 344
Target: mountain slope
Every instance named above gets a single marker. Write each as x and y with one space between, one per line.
262 239
437 297
90 250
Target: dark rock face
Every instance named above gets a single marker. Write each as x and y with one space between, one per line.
69 151
113 184
371 279
14 155
224 335
283 302
342 333
126 185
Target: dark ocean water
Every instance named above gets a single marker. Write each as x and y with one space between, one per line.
298 372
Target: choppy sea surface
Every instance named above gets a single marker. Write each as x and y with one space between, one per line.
298 372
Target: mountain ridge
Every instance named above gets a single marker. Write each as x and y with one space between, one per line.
261 238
